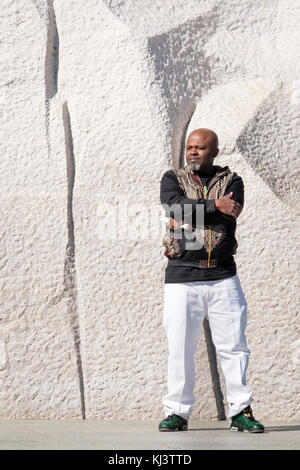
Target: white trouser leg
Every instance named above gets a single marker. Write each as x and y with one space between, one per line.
185 307
227 314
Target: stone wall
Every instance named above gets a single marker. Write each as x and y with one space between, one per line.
96 99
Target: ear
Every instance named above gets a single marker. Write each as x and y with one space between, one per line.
216 152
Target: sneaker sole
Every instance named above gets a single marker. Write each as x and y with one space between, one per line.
179 428
256 431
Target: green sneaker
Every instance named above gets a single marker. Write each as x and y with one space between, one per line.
173 423
245 421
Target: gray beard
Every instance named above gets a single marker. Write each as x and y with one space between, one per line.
194 166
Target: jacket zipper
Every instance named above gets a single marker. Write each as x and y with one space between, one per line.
205 190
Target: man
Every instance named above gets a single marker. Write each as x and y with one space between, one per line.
201 279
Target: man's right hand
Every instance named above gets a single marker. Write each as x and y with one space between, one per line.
228 206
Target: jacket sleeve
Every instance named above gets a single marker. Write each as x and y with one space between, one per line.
171 193
237 187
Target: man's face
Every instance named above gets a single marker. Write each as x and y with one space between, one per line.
200 151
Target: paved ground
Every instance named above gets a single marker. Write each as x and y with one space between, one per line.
138 435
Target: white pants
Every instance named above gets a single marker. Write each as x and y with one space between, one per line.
185 307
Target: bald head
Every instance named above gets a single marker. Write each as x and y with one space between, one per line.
207 135
201 149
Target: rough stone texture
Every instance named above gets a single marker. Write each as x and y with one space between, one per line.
96 100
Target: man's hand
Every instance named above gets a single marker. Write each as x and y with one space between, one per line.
176 225
228 206
173 224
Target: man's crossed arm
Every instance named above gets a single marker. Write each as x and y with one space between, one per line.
225 210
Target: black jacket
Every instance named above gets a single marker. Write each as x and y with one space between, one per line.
219 228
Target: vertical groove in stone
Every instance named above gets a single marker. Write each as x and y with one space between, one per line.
47 126
70 285
181 156
211 352
51 65
52 52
